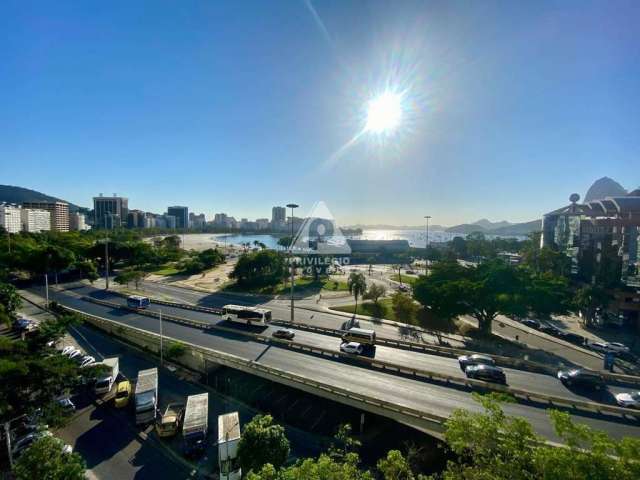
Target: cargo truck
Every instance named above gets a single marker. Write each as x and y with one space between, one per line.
104 383
195 424
228 439
146 396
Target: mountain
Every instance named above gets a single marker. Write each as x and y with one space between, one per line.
498 228
382 226
484 223
604 187
11 194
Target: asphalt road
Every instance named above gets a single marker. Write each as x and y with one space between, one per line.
432 397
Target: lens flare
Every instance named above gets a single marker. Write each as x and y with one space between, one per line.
384 113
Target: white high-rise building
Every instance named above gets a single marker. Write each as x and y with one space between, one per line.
35 220
10 218
77 221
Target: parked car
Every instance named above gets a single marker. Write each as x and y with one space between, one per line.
475 359
68 349
598 347
530 322
123 394
617 347
25 442
574 338
581 377
404 288
285 333
628 399
490 373
351 347
67 405
86 361
551 329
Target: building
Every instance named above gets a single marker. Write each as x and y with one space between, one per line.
262 224
378 246
59 213
170 221
197 222
181 215
10 218
78 222
136 219
601 240
35 221
110 212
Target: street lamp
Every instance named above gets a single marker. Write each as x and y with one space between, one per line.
291 206
426 246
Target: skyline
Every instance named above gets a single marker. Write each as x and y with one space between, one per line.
227 108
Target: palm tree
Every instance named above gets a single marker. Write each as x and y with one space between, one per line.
357 286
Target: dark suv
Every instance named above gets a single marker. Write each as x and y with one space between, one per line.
581 378
488 373
475 359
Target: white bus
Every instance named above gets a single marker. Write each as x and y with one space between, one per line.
360 335
246 315
137 301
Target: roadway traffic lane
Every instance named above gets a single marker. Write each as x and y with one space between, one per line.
430 397
536 382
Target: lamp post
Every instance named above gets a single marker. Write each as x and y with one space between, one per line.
291 206
426 246
160 317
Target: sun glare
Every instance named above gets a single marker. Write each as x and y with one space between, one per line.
384 113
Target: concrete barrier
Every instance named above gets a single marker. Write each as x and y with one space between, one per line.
395 368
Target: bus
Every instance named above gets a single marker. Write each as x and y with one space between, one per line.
137 301
360 335
246 315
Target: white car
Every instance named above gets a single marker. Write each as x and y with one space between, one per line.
628 399
68 349
351 347
67 405
87 360
617 347
599 347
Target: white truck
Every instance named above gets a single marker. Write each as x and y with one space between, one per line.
146 396
195 424
228 439
104 383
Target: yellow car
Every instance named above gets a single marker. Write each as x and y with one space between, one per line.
123 393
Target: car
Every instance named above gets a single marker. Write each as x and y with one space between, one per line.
25 442
628 399
617 347
598 347
551 329
123 394
67 405
581 377
285 333
68 349
475 359
489 373
530 322
351 347
573 338
404 288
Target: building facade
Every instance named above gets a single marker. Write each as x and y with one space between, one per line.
110 212
197 222
181 215
78 222
278 218
59 213
10 218
35 221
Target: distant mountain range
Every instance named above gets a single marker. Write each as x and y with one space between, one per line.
496 228
604 187
18 195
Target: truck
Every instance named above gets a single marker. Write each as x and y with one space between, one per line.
146 396
228 440
169 422
195 424
104 383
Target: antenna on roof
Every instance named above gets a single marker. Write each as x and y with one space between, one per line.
574 198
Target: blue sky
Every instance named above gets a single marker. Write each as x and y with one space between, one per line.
237 106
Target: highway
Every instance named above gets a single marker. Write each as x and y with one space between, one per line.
433 398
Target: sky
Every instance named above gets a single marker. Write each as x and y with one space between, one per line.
507 107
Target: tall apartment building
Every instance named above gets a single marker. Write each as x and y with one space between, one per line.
136 219
10 218
197 221
59 213
78 222
181 214
35 220
278 215
262 223
110 212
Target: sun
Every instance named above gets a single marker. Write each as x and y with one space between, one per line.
384 113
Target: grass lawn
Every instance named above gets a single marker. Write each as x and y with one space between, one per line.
304 285
166 270
381 310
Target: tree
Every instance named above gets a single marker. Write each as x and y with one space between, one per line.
357 286
374 292
441 291
395 467
284 242
87 269
589 299
46 460
322 468
262 442
176 350
404 307
9 298
259 269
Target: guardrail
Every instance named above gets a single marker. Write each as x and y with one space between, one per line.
511 362
393 367
434 423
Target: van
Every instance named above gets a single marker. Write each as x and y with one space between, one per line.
360 335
